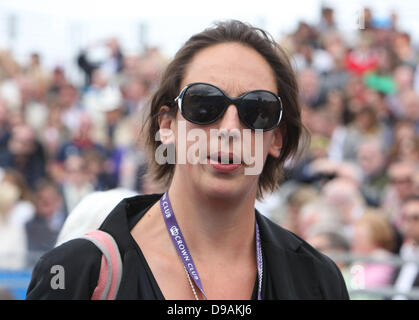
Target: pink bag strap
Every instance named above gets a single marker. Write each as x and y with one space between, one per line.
111 266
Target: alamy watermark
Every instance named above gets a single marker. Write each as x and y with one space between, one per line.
58 280
216 146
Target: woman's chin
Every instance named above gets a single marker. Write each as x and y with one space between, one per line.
226 187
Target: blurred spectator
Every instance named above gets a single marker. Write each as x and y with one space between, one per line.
374 237
296 201
23 209
68 102
402 46
327 20
401 187
362 58
407 277
42 230
132 165
410 107
380 79
372 161
325 169
403 79
335 245
135 95
35 70
345 195
77 181
151 65
91 212
4 126
101 94
406 142
97 172
58 80
82 139
416 183
25 154
12 237
54 134
105 55
345 142
317 216
311 92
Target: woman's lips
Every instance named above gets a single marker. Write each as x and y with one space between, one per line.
220 167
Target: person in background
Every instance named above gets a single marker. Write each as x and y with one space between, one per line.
327 20
406 278
98 171
77 181
372 160
290 218
374 237
105 55
42 230
400 187
318 214
25 154
12 237
365 125
346 197
405 146
4 125
81 140
24 208
335 245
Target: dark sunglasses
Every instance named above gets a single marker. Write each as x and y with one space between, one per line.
203 103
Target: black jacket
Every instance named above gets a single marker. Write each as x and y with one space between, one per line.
292 268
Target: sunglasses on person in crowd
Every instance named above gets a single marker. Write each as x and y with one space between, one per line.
203 103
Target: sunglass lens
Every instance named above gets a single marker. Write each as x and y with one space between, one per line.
202 104
260 110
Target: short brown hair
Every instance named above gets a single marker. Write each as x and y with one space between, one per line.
263 43
381 231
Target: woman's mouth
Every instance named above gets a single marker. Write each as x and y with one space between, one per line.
225 163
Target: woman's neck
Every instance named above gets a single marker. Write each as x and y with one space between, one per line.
213 225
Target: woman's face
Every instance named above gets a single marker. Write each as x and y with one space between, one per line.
235 69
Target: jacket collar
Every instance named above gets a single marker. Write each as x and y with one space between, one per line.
117 224
275 235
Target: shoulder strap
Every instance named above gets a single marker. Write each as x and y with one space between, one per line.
110 268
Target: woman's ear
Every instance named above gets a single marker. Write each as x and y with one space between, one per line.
276 142
166 124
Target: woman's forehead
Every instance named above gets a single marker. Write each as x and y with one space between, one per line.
232 67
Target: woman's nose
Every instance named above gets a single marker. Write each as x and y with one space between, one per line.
230 120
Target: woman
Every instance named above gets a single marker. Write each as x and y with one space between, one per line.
203 239
374 237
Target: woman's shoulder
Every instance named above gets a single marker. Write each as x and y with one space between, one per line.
289 241
301 256
69 271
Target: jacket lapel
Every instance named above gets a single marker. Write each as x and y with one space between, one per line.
288 273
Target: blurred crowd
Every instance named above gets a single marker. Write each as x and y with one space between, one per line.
355 191
60 142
